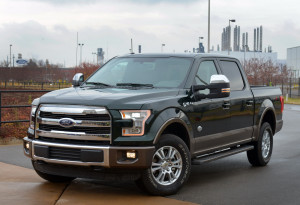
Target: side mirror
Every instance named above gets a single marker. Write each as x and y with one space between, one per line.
219 87
77 79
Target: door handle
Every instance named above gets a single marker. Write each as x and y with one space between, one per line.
249 103
226 105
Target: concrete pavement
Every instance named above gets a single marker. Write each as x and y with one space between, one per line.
19 185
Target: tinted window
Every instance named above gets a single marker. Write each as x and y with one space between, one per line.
160 72
233 73
205 71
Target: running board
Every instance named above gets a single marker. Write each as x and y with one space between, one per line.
222 154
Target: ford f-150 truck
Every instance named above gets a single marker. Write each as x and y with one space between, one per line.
149 117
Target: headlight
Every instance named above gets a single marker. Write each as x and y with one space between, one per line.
139 118
34 105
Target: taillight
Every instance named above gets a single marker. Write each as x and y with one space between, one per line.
282 103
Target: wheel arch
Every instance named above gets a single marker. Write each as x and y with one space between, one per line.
178 125
266 114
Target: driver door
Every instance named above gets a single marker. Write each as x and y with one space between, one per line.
211 117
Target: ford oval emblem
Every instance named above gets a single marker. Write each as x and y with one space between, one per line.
66 122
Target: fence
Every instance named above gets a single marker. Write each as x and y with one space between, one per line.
15 106
34 85
291 87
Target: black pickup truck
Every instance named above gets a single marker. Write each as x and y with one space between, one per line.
149 117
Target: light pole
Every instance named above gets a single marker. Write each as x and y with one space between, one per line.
230 20
10 55
208 30
80 45
162 47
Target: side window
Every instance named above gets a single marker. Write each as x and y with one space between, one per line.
233 73
205 71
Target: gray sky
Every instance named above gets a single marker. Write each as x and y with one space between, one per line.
46 29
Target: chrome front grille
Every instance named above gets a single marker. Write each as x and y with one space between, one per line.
88 123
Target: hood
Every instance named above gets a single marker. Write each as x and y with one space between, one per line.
112 98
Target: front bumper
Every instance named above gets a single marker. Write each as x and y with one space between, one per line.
85 155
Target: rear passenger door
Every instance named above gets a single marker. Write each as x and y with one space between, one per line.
241 100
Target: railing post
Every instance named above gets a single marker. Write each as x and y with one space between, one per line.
42 85
0 107
290 87
298 87
5 84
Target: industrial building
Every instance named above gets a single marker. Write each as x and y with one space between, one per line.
293 60
242 50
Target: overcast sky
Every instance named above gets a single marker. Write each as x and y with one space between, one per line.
46 29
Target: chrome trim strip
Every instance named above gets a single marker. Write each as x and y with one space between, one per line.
73 135
72 109
78 123
105 150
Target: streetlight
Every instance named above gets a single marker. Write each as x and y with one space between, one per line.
162 47
208 30
80 45
230 20
10 55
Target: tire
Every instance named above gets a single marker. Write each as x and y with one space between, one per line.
262 152
170 169
53 178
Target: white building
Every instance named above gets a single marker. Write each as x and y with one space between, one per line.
293 60
249 55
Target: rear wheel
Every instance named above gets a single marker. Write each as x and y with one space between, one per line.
262 152
170 169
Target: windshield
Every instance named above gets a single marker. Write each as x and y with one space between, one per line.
149 72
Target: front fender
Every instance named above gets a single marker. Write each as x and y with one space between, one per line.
166 118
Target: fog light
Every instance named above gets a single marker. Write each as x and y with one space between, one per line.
27 146
131 154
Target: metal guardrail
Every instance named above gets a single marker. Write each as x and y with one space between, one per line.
15 106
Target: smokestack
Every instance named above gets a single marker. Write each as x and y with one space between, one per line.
254 44
239 39
257 38
140 48
247 45
261 35
243 41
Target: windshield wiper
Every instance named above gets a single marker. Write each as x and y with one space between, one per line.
135 85
98 83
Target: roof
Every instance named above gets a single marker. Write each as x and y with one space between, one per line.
187 55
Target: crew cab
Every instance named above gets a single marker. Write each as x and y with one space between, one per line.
149 117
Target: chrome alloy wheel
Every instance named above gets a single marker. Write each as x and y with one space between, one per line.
266 144
166 165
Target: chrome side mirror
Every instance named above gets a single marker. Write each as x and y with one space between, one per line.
219 87
77 79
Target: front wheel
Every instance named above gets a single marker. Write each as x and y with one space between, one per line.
170 168
262 152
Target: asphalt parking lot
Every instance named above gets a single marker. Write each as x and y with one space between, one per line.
227 181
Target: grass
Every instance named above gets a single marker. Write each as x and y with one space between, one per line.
294 101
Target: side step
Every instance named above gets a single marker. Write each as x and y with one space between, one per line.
222 154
